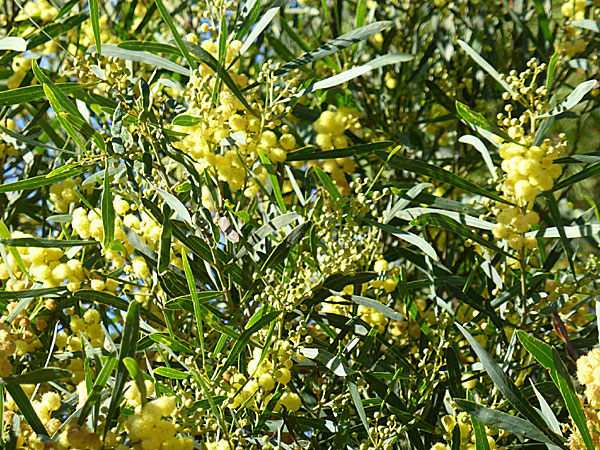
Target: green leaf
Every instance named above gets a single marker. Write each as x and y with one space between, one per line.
166 16
136 374
328 184
283 248
184 120
411 238
266 162
41 180
481 148
336 45
176 205
509 390
501 420
310 153
37 376
437 173
145 58
484 65
169 372
586 173
244 338
164 250
46 242
176 345
555 214
548 357
357 400
481 442
339 366
99 384
108 211
370 303
469 221
575 231
210 61
478 120
572 99
30 293
95 19
150 46
14 43
258 28
26 409
129 341
551 69
587 24
29 93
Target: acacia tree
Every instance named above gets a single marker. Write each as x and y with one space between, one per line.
292 225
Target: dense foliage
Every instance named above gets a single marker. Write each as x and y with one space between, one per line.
299 225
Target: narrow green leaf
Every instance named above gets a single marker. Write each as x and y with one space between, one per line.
584 174
129 341
37 376
357 400
266 162
99 384
258 28
166 16
184 120
46 242
244 338
108 211
164 250
144 57
328 184
311 153
169 372
29 93
437 173
509 390
552 69
548 357
501 420
484 65
572 99
480 121
283 248
26 409
95 19
336 45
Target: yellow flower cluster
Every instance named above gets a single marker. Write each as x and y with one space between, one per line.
88 224
151 429
263 377
588 374
89 326
221 444
467 436
133 396
228 138
529 169
331 127
573 9
76 437
44 265
8 346
374 318
21 65
62 194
